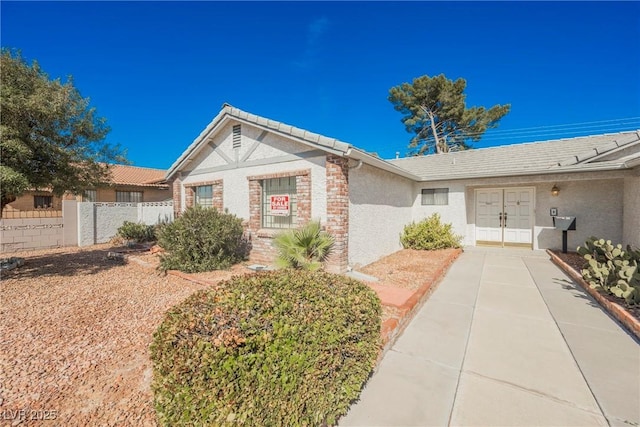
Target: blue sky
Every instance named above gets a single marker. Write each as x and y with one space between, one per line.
160 71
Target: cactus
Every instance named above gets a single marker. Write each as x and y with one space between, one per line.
612 269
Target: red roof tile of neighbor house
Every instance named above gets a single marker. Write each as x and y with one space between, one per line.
134 175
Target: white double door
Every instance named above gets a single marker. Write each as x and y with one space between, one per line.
505 216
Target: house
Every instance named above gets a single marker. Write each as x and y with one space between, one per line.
276 176
127 184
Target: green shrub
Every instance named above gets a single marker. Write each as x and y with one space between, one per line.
429 234
611 269
202 239
278 348
137 231
305 248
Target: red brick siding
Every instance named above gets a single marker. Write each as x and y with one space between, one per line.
217 193
337 173
177 197
262 250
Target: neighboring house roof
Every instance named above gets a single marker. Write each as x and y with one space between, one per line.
137 176
581 154
314 140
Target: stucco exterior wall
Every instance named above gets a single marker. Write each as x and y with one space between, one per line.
595 199
86 224
454 212
152 213
631 216
596 204
380 205
99 222
149 194
26 203
271 154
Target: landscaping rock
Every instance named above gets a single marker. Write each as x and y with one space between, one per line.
7 264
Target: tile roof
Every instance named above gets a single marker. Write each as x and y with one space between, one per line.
137 176
556 156
315 140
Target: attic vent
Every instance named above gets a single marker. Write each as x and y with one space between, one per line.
236 136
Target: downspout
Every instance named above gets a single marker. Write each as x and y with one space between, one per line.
356 167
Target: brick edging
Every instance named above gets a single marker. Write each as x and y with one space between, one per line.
190 278
616 310
391 328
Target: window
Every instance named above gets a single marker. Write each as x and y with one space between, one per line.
435 196
42 202
90 196
204 196
279 212
129 196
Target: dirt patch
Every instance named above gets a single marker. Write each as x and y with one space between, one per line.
577 262
408 268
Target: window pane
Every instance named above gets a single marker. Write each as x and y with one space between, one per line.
435 196
41 202
90 196
204 196
427 197
441 196
129 196
277 187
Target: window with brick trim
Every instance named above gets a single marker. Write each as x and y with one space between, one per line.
279 187
42 202
204 196
435 196
129 196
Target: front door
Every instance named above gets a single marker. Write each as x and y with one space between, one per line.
504 217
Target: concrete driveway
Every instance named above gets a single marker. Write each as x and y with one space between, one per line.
507 339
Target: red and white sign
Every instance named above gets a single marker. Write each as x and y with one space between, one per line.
280 205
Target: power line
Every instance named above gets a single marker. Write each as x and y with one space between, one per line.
561 130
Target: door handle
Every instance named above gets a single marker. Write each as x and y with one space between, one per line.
500 217
505 219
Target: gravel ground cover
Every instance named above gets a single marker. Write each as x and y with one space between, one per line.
408 268
75 330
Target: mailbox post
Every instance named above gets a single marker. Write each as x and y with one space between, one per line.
564 223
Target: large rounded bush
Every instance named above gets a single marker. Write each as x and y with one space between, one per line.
202 239
279 348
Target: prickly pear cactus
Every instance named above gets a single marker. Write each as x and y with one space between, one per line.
611 269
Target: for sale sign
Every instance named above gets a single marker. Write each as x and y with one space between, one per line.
280 205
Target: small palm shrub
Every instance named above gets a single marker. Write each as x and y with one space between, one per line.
429 234
137 232
304 248
202 239
277 348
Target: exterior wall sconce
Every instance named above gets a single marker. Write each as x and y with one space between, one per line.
555 190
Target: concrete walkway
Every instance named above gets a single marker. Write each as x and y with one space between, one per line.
507 339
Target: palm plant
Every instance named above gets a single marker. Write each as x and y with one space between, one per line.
304 248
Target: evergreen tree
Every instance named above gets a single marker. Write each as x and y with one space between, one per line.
435 111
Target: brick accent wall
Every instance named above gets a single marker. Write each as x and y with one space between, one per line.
217 190
262 251
337 172
177 197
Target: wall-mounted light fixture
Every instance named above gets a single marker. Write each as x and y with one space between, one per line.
555 190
